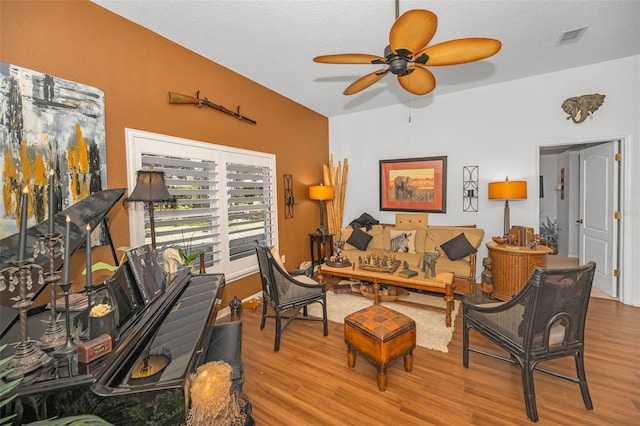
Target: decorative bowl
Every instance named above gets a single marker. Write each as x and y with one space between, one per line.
499 240
393 294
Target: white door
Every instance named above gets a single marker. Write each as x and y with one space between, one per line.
598 234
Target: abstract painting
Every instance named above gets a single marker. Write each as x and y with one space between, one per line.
48 124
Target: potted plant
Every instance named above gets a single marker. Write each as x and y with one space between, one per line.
550 230
186 254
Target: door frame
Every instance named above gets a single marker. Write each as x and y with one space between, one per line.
624 250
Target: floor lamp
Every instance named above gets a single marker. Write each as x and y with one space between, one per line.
508 190
151 189
321 193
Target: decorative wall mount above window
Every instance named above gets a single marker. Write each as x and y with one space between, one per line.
470 188
177 98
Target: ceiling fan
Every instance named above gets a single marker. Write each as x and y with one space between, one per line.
407 54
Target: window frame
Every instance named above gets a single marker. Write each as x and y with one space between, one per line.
138 143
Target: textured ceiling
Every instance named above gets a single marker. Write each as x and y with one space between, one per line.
273 42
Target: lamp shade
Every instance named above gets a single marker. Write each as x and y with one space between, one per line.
321 192
508 190
151 188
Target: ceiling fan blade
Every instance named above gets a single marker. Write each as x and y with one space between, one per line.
364 82
461 51
350 58
419 82
413 30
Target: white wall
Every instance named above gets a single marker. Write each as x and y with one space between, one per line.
573 229
549 204
500 129
563 204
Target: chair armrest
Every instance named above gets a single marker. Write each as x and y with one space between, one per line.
301 280
306 281
468 303
296 272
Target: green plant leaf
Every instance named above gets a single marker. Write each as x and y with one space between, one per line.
6 387
101 266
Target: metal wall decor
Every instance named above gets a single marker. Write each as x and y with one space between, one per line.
470 188
288 196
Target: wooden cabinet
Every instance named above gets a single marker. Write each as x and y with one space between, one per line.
512 267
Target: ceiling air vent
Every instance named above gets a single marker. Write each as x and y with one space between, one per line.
571 36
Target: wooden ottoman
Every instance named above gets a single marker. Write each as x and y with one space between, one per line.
382 335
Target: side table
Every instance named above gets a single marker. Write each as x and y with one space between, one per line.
321 248
512 267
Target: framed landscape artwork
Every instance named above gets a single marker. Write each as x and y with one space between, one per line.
414 184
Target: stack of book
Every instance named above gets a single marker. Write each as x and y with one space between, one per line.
407 273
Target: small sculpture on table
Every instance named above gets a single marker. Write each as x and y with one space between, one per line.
429 263
171 259
339 260
236 308
487 276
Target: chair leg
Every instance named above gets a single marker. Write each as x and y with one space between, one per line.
529 391
324 318
264 314
408 361
351 356
381 378
276 345
465 345
582 377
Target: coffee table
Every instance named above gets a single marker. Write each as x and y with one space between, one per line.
441 283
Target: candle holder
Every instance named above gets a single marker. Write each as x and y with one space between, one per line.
89 290
27 357
54 336
69 346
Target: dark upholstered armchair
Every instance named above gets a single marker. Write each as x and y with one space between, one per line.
544 321
287 295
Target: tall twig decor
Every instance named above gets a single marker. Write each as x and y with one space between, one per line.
336 177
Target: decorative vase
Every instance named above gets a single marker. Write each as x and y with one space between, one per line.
553 246
104 324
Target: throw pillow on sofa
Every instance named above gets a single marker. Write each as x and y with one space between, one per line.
276 257
458 247
359 239
402 241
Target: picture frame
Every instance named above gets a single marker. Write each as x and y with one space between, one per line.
414 184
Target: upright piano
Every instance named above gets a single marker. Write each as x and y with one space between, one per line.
164 329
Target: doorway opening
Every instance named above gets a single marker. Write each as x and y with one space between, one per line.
584 205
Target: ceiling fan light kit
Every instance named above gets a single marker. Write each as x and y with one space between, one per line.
408 54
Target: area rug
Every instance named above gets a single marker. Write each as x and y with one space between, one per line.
431 331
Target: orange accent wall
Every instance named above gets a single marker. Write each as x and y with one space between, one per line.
136 68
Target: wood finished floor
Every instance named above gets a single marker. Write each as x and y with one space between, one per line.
308 382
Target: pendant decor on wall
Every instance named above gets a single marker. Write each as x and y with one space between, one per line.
48 123
288 196
470 188
579 108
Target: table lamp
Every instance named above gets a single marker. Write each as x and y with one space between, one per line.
151 189
321 193
508 190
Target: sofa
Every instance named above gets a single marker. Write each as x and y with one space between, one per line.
411 237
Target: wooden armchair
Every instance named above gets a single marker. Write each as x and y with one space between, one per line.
543 322
287 295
